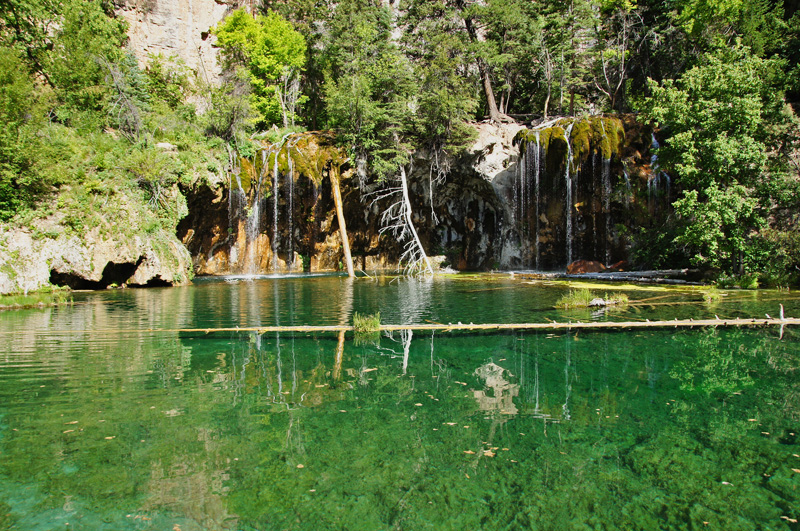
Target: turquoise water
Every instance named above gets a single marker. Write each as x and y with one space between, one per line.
109 422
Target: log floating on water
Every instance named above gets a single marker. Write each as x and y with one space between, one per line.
571 325
449 327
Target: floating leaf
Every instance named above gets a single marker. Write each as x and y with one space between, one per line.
469 452
301 466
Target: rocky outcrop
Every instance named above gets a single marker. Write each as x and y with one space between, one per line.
176 28
488 208
30 260
243 225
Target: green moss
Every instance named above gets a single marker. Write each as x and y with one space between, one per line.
581 139
50 296
597 134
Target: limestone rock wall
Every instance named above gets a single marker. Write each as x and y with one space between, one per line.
30 260
179 28
480 216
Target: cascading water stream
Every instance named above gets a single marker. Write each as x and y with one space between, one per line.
252 221
536 197
274 242
607 205
655 181
568 179
526 196
627 189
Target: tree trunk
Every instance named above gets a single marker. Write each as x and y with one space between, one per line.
546 102
572 102
337 199
337 361
494 113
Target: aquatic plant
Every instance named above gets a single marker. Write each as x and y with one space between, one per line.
576 298
583 298
51 297
712 294
365 324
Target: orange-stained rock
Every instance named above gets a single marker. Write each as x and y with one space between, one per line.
622 265
585 266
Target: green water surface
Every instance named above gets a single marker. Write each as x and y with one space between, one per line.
112 419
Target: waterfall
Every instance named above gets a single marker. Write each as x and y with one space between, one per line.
568 179
526 199
274 242
607 205
536 198
290 205
247 207
627 189
571 213
654 182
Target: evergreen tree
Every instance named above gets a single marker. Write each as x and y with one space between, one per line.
369 86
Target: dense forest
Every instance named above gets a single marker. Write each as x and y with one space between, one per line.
81 120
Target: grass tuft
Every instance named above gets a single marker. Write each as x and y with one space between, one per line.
36 299
366 324
582 298
576 298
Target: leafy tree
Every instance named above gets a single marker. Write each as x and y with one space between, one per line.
169 81
28 26
274 55
16 95
83 48
724 119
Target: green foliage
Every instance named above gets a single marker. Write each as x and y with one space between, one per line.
169 81
87 42
274 55
445 99
369 87
722 119
16 98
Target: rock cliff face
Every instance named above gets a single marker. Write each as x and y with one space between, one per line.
179 28
517 199
30 261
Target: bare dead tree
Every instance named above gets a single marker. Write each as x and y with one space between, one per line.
397 220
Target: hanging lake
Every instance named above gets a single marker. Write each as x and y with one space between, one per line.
113 416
